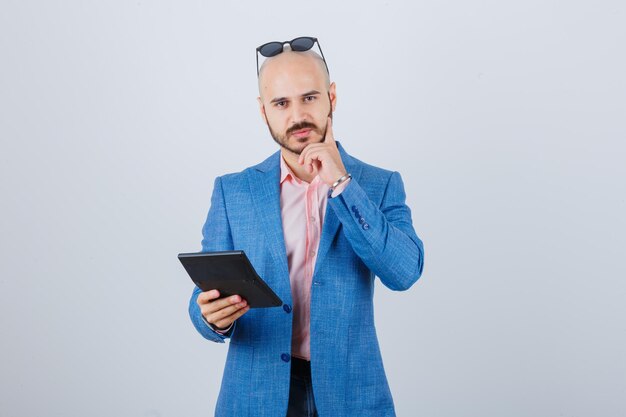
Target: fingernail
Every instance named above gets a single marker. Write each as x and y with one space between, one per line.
235 299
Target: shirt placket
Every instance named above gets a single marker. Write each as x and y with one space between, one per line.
312 229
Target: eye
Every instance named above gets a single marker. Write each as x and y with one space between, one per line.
309 98
280 104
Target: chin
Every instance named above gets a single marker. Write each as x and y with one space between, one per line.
310 139
297 145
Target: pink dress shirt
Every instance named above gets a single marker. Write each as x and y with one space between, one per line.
302 208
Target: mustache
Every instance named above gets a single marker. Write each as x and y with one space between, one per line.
300 126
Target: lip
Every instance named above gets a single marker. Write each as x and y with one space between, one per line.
301 133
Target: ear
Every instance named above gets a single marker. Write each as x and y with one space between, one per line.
332 92
262 109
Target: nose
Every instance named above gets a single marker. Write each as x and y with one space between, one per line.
298 113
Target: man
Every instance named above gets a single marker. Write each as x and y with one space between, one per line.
318 225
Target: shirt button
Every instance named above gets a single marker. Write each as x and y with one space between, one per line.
353 208
361 220
285 357
312 253
287 308
366 226
313 219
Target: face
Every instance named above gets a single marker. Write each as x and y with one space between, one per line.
296 100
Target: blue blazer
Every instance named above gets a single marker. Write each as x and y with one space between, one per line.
367 232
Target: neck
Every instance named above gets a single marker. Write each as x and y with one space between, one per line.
292 162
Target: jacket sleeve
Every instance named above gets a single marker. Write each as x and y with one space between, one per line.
216 237
383 237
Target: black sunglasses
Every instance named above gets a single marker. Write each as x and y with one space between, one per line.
301 44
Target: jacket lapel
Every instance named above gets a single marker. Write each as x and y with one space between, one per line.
264 181
331 221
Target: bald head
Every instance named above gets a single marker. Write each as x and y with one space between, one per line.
289 64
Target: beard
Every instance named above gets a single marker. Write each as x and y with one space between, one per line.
283 139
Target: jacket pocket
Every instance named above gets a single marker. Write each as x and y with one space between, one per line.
367 387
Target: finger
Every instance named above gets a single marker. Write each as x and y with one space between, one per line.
225 316
309 165
310 147
330 136
304 154
311 160
227 321
206 296
216 305
225 312
314 153
316 166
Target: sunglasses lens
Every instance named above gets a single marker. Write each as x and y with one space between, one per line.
271 49
302 44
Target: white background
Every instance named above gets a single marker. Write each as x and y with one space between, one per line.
505 119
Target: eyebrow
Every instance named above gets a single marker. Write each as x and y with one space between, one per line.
308 93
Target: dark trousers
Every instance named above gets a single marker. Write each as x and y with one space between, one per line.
301 401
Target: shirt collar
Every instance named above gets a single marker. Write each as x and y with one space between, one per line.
286 172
